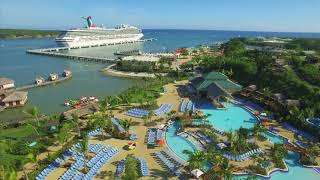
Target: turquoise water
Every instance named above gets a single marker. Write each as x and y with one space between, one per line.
177 143
275 139
229 119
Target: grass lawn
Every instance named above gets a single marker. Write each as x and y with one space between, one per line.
19 132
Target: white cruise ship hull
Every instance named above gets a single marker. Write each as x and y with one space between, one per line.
79 42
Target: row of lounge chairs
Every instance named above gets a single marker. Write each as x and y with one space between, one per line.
204 137
105 157
317 169
120 168
94 133
116 123
219 131
72 171
94 148
299 132
152 133
101 154
159 134
301 144
51 167
249 104
242 157
133 137
273 130
186 105
144 168
163 109
177 160
137 113
168 164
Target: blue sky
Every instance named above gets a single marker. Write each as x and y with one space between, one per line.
254 15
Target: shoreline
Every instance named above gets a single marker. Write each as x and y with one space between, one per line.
109 71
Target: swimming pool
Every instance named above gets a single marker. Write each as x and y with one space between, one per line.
229 119
177 143
275 139
296 171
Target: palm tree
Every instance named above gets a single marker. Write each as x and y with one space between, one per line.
126 124
103 104
196 159
225 170
254 157
33 158
83 148
257 130
75 120
34 114
233 138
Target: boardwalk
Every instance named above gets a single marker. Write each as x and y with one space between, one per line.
43 84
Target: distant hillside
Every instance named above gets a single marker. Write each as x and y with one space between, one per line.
26 33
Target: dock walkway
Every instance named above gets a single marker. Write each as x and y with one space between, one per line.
56 52
43 84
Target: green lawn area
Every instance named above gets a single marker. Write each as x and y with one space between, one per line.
19 132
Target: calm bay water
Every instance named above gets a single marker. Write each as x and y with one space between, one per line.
87 80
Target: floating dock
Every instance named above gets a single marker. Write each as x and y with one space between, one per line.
56 52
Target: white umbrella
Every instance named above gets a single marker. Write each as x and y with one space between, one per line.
263 114
196 172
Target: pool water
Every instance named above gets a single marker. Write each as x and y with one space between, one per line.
275 139
296 171
229 119
177 143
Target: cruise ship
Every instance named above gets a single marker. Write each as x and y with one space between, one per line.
93 35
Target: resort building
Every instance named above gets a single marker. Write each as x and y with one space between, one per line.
17 98
213 86
66 73
6 83
142 58
53 77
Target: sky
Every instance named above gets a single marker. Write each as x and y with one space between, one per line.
244 15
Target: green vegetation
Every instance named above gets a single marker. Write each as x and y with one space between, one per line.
300 80
22 144
131 170
162 66
304 44
26 33
278 152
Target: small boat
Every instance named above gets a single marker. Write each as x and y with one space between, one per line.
66 104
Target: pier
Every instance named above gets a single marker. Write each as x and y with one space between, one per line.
43 84
56 52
